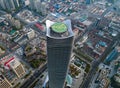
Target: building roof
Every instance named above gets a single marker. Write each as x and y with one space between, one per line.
59 30
15 63
59 27
10 61
69 80
2 19
12 32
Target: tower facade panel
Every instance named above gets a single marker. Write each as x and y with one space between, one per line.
59 47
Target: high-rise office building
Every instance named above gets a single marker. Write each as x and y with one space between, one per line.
59 46
16 3
89 1
9 5
32 6
2 4
43 8
112 1
35 4
38 6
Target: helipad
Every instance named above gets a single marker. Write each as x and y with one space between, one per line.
59 27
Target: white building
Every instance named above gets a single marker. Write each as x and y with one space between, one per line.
31 34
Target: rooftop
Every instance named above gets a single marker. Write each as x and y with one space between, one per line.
59 30
69 80
2 19
59 27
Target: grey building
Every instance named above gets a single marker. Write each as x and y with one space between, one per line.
2 4
59 46
32 6
9 5
16 3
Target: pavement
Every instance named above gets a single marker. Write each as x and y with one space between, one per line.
93 84
78 82
91 74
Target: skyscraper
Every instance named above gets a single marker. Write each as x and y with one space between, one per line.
43 8
89 1
9 5
59 47
2 4
32 6
37 4
112 1
16 3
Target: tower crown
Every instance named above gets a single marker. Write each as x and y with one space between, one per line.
59 27
59 30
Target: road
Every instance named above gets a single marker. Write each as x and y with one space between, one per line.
91 74
34 77
94 64
94 67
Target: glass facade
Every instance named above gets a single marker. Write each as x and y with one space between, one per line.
58 52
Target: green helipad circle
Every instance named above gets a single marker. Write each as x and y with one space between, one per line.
59 27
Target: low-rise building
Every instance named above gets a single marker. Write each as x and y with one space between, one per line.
12 62
4 83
